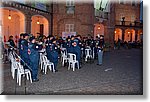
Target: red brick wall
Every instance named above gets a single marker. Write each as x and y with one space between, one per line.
83 19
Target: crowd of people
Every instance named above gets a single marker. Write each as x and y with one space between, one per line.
29 48
128 45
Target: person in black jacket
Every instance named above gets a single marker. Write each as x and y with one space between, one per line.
11 41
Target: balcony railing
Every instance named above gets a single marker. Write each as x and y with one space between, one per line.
128 23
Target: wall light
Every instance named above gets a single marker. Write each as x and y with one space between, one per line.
99 28
38 21
9 17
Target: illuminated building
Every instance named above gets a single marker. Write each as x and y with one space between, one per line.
115 20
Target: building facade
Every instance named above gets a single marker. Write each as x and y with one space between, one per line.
72 18
20 17
128 26
115 20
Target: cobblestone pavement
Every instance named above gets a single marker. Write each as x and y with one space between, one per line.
121 73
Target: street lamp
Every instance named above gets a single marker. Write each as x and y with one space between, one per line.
9 17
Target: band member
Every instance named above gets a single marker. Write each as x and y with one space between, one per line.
54 54
77 49
100 46
24 50
34 57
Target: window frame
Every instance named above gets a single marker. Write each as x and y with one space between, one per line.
70 3
69 27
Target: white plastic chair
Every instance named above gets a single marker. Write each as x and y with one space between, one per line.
64 57
88 54
13 68
41 61
93 54
13 64
48 64
21 71
72 61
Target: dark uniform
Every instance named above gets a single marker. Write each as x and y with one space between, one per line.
48 51
24 51
77 49
54 54
12 43
19 45
69 46
34 58
100 45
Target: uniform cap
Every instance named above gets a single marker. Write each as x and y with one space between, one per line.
32 38
24 35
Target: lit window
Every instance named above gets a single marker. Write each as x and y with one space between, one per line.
69 28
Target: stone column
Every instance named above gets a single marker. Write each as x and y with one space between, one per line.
109 35
50 27
136 35
123 34
28 23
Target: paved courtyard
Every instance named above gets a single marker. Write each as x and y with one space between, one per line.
121 73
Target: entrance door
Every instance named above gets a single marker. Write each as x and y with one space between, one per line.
41 29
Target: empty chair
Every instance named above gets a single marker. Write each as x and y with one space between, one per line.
48 64
72 61
41 61
13 64
13 68
64 57
93 53
88 54
21 71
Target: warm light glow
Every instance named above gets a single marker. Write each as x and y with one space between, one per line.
128 32
9 17
38 22
99 28
115 32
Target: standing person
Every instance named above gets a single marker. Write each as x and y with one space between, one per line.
34 58
119 41
54 54
100 50
48 47
11 41
19 44
97 43
24 50
92 46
